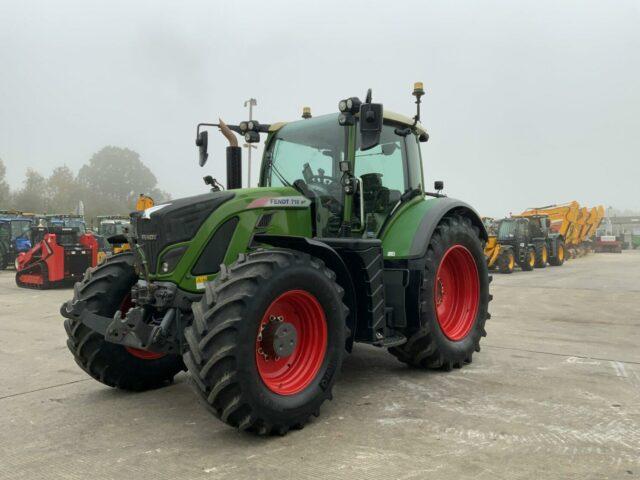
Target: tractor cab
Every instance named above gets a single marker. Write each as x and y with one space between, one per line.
354 189
112 225
14 238
111 234
64 220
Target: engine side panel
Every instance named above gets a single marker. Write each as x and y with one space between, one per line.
257 211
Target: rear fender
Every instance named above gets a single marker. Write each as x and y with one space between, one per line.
444 208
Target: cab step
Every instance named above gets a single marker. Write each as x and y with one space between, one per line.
391 341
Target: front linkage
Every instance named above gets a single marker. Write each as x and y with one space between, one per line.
138 325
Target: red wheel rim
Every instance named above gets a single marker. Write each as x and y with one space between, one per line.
290 375
457 292
136 352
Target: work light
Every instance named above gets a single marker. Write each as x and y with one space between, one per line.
252 137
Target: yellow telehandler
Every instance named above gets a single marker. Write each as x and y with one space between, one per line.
499 256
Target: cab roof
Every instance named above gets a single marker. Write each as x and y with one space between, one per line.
4 218
387 115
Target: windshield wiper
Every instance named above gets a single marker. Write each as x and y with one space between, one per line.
278 174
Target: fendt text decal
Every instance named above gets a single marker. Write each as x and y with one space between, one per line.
280 202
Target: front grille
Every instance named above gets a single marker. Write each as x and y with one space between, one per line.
76 263
144 232
174 222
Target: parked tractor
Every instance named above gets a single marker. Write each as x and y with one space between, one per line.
14 237
527 244
260 292
540 228
111 235
59 256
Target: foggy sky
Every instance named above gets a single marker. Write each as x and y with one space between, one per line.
528 103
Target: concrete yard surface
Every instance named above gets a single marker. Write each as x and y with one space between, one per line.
554 394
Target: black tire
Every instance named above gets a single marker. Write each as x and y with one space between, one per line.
558 259
429 347
506 262
529 260
542 255
103 290
222 341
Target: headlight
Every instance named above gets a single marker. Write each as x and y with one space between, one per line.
171 258
346 119
350 105
252 137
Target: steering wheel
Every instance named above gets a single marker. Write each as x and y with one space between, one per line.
321 180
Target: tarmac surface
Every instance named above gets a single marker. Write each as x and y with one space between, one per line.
554 394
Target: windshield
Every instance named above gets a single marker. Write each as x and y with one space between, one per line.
75 223
507 229
304 150
20 228
310 150
112 228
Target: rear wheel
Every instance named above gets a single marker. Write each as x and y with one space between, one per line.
104 290
542 256
558 260
267 341
453 299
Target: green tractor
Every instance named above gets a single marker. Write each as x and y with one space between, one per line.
259 293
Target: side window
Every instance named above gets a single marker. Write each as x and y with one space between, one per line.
382 171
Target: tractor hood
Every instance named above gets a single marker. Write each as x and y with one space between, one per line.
173 222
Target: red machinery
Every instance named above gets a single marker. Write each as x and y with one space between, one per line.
608 244
60 255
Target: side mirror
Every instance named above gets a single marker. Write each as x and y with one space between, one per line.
438 185
202 142
370 125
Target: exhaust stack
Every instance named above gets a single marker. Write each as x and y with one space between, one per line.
234 158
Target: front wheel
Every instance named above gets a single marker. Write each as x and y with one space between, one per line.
507 262
529 260
267 341
453 299
104 290
542 256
